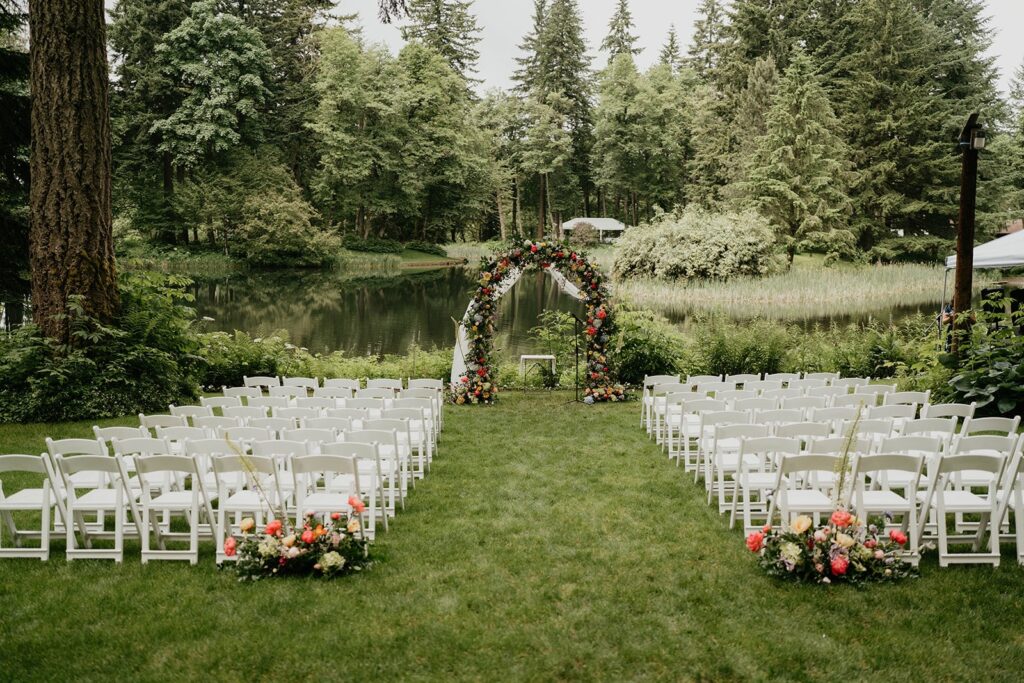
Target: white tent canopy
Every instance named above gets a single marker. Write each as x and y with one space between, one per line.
1003 252
602 225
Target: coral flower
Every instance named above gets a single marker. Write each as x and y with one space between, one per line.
839 565
357 505
336 515
602 314
755 541
229 546
274 527
319 530
841 518
307 536
898 537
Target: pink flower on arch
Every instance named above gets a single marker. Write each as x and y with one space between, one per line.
230 546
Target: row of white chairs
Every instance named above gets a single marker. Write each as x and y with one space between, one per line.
757 462
211 467
267 382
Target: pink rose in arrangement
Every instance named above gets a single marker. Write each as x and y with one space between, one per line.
766 528
839 565
898 537
841 518
273 528
356 504
230 545
335 516
870 543
307 536
879 554
755 541
820 536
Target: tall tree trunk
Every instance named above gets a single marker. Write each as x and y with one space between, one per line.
586 199
502 228
542 205
550 217
601 203
71 238
517 212
168 177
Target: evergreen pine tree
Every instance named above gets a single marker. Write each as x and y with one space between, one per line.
617 150
897 123
620 39
528 75
1013 148
449 27
755 100
670 55
800 169
708 36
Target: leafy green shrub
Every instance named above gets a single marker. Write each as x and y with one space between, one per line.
583 235
645 344
915 249
373 245
277 230
991 368
697 244
728 348
427 248
143 361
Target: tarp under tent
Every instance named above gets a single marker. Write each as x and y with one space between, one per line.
1003 252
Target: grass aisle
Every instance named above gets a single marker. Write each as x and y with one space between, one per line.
551 541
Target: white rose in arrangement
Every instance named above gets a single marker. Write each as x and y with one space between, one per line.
331 561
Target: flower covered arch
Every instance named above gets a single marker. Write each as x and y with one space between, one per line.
472 373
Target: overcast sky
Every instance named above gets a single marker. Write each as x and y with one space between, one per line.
505 22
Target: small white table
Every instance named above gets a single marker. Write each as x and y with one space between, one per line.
546 358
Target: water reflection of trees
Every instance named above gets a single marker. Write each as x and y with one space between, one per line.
325 312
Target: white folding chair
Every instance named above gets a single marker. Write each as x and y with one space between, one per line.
355 416
658 414
693 380
275 424
724 459
672 419
712 389
373 405
220 402
784 377
176 436
404 441
105 434
189 503
829 377
851 382
152 422
289 393
827 392
742 378
337 424
298 413
834 417
318 403
313 474
212 424
709 423
241 392
393 467
259 495
887 501
855 401
419 434
382 393
1001 426
314 438
426 407
761 386
434 396
795 490
646 398
340 383
310 383
773 419
874 430
28 499
945 496
962 412
395 385
371 480
333 393
734 395
755 405
246 413
807 384
917 398
243 436
261 382
804 403
1011 497
68 447
690 420
111 496
758 461
806 432
782 394
190 413
268 402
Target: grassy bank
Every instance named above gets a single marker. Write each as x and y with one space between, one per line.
806 291
551 541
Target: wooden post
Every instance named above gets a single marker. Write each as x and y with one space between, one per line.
963 284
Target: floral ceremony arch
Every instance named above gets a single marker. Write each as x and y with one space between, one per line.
472 370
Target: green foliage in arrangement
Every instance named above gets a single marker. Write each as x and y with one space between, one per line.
697 244
146 359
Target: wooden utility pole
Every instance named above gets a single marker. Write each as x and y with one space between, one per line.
971 141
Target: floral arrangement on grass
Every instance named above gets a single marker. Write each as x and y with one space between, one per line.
844 550
478 386
325 549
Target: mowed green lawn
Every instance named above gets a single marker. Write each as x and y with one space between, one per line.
551 541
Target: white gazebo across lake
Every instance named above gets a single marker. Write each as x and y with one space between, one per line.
608 229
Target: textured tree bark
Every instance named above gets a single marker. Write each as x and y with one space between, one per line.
71 239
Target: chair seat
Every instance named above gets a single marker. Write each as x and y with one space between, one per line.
731 461
326 502
808 500
960 501
172 500
246 501
25 499
97 499
88 480
758 480
884 500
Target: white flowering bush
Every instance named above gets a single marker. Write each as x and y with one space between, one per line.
697 244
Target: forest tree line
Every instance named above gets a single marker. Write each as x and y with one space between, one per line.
273 125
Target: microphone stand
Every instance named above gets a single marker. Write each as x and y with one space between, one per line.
577 322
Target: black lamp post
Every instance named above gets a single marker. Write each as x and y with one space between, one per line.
972 140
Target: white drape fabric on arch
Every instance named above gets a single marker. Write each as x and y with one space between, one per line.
511 278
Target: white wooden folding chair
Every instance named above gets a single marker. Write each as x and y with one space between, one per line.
261 382
995 426
308 383
851 382
672 419
806 432
283 452
646 397
732 396
1011 498
805 403
316 403
259 494
382 393
370 483
269 402
829 377
313 474
435 385
335 394
694 380
945 496
434 396
773 419
68 447
190 413
289 393
724 460
761 386
355 416
887 501
313 438
113 495
709 423
298 413
246 413
105 434
394 468
241 393
152 422
795 490
373 405
782 394
340 383
757 478
220 402
29 499
176 436
212 424
742 379
426 407
691 433
658 416
190 503
395 385
962 412
419 435
827 392
785 377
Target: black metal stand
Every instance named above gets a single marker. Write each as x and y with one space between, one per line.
576 342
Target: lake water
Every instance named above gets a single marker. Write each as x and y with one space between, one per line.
324 311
